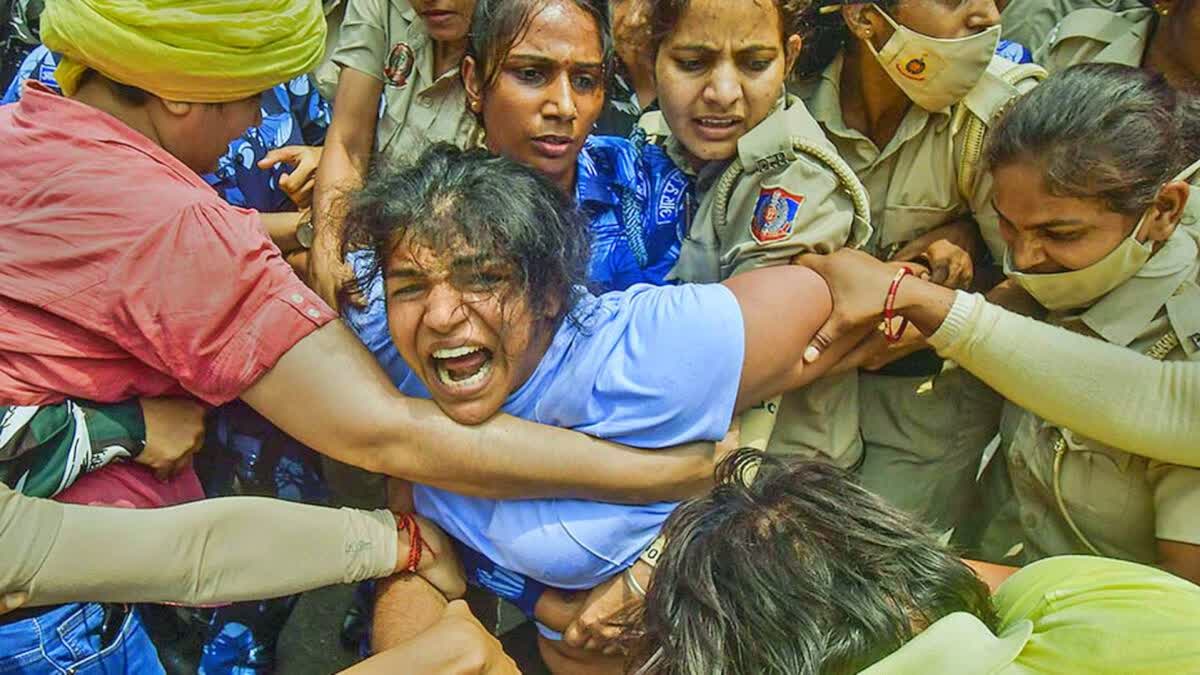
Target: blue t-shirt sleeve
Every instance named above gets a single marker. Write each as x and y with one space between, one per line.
670 373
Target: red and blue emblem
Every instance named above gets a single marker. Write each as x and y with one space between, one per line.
775 214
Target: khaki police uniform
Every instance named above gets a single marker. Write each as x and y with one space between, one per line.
1096 36
325 76
1121 504
1029 22
925 424
387 40
786 192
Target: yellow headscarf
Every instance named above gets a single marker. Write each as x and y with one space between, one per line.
200 51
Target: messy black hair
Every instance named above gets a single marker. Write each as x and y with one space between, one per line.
504 211
1102 131
799 570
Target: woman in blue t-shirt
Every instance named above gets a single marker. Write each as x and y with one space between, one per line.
485 262
535 76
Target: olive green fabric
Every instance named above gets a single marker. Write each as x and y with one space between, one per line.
1070 614
44 449
1030 21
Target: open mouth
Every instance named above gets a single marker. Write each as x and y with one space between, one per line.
717 127
552 145
462 368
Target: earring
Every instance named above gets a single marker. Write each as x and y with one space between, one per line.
1162 8
474 106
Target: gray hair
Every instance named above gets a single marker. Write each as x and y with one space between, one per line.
1102 131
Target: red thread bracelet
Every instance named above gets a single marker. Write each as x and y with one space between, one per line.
405 522
889 309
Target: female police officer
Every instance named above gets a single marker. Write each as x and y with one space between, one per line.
770 185
1161 36
904 89
1091 205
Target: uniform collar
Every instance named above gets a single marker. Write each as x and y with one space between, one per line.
1129 48
1125 312
825 104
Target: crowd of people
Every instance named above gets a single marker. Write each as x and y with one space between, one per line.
705 336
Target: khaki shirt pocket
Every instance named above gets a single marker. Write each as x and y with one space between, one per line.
1102 490
901 224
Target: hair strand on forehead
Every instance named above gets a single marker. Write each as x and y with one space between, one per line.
504 211
1102 131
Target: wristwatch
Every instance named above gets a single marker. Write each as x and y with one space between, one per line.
305 233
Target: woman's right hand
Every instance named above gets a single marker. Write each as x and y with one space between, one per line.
439 562
859 284
174 432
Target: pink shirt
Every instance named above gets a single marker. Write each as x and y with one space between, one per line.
123 274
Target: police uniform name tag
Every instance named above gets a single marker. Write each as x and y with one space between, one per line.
775 214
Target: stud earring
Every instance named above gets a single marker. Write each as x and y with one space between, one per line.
1162 8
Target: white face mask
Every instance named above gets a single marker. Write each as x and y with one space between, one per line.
1083 287
933 72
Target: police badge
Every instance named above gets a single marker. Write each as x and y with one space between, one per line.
399 64
774 215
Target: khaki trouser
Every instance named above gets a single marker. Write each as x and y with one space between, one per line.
923 438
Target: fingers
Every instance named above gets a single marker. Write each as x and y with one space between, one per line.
285 155
459 608
13 601
821 341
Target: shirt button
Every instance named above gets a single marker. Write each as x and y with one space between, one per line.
296 297
424 101
313 313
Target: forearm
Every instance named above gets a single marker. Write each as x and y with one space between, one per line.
405 606
222 550
1067 379
509 458
343 169
281 228
329 393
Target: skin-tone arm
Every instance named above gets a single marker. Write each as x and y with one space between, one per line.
343 168
454 645
281 228
328 393
779 325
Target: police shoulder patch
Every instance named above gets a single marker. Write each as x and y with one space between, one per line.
775 214
399 65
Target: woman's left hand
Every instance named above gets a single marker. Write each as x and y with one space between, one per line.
297 184
599 623
948 251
